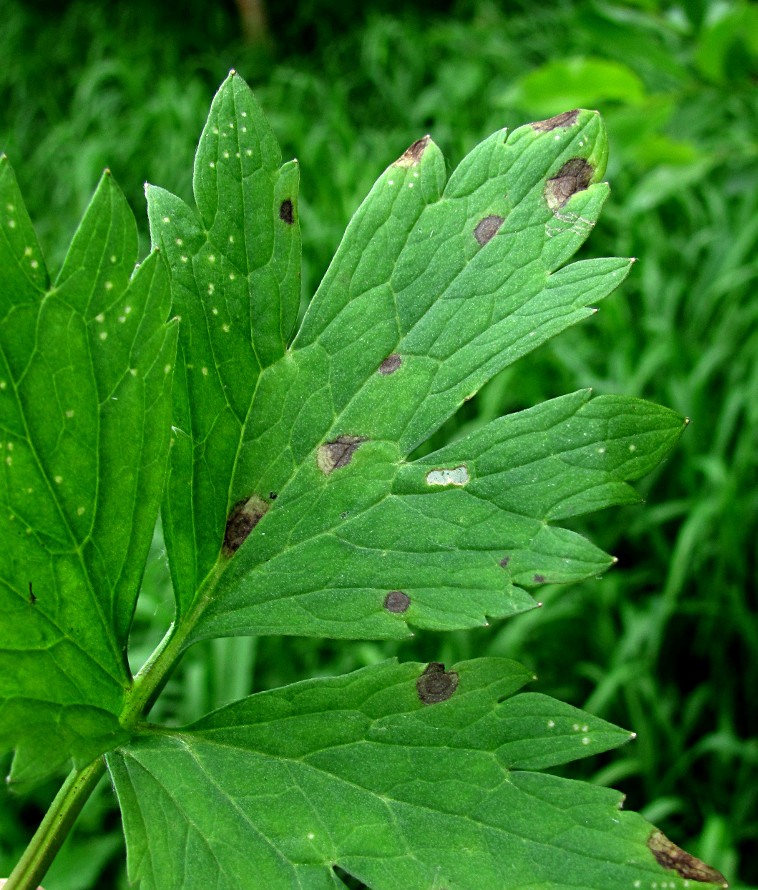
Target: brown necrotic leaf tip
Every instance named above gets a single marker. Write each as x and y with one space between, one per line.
334 455
488 228
412 155
565 119
436 684
574 176
245 515
668 855
397 601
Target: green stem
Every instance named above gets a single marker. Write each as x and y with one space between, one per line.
54 828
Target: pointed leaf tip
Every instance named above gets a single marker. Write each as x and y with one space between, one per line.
411 157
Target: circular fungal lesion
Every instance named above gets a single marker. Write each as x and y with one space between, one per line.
390 364
487 228
397 601
436 684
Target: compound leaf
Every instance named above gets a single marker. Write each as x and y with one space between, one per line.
302 514
84 420
400 775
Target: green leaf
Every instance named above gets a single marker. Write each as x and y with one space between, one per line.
577 80
360 772
302 513
84 421
235 283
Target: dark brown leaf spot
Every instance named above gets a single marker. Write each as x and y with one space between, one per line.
669 855
488 228
337 454
390 364
32 597
565 119
245 515
574 176
504 561
539 579
286 212
272 495
397 601
435 684
411 156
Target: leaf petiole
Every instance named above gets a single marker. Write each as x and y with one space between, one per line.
54 828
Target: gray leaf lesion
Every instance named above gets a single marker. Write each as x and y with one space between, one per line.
334 455
574 176
245 515
436 684
487 228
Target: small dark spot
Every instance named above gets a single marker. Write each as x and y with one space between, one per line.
397 601
337 454
344 515
272 495
504 561
245 515
574 176
565 119
436 685
668 855
488 228
286 212
411 156
32 597
539 579
390 364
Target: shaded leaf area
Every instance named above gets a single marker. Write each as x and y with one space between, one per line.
435 288
358 772
235 283
85 379
459 533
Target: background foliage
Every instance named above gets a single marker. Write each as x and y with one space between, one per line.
666 643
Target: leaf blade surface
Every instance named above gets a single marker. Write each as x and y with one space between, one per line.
84 420
358 772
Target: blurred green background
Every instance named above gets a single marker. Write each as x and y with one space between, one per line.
666 644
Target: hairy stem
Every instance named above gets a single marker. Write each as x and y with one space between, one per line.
54 828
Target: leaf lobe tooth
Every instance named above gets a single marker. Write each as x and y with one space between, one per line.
436 684
564 119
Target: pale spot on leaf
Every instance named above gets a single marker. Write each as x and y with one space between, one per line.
455 476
